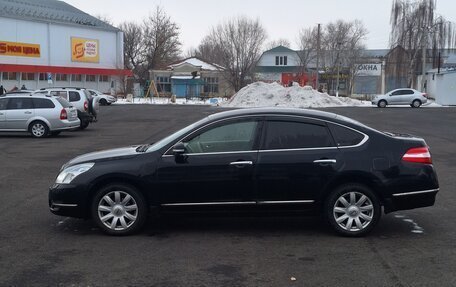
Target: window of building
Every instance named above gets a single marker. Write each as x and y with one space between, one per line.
91 78
104 78
163 84
296 135
211 85
281 60
61 77
28 76
76 78
12 76
43 77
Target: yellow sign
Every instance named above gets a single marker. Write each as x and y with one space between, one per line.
19 49
84 50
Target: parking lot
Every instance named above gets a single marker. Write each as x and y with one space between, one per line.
408 248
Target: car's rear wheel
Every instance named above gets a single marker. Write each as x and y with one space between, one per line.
416 104
84 124
103 102
382 104
119 209
352 210
38 129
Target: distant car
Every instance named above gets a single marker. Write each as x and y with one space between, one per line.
40 115
102 98
87 105
265 159
410 97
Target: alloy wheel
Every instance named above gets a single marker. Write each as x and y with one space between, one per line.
353 211
38 130
117 210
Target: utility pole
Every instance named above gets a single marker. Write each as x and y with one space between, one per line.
317 82
423 63
338 67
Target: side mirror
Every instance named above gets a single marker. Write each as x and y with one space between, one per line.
179 148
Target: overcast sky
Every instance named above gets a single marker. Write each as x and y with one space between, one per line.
282 19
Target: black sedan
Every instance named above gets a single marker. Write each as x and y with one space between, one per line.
265 159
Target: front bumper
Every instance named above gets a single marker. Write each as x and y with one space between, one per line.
411 200
68 200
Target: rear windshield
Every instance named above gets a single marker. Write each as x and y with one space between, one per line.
63 102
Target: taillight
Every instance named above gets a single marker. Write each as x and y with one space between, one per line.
425 95
86 106
63 114
418 155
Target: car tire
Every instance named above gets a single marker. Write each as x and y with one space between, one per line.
119 209
382 104
352 210
103 102
38 129
416 104
84 124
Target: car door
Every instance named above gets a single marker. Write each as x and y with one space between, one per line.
18 112
395 97
216 167
3 105
408 96
296 158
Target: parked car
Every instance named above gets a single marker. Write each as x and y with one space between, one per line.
259 159
410 97
103 99
88 106
40 115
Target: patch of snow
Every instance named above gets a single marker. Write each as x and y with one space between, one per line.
261 94
167 101
198 63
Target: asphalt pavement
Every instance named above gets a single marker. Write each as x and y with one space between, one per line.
37 248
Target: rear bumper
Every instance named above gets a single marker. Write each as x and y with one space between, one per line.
67 125
411 200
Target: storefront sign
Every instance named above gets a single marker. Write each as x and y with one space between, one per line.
369 70
84 50
19 49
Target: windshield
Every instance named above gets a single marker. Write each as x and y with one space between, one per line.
174 137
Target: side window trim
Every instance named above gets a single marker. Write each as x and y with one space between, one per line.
297 119
202 129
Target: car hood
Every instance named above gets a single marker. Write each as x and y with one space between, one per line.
104 155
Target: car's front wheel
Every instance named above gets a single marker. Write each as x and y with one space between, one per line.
352 210
119 209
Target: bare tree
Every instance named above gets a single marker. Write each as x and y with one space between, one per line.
161 39
415 26
343 44
134 49
208 51
105 18
279 42
238 42
307 47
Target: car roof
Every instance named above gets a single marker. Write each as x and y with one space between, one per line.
275 111
25 95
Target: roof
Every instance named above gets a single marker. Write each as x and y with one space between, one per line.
51 11
194 61
375 53
280 49
275 110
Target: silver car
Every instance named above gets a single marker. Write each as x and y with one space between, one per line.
410 97
37 114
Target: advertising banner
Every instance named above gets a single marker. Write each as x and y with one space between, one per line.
368 70
84 50
19 49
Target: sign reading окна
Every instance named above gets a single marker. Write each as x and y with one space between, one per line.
19 49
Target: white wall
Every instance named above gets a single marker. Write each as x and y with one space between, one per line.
269 59
55 43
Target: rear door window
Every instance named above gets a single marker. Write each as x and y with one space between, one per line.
74 96
43 104
20 104
345 136
3 103
296 135
61 94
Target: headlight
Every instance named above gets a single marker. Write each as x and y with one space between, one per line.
70 173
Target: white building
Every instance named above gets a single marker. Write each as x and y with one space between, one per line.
441 85
51 43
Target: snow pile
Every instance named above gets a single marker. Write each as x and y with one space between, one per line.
261 94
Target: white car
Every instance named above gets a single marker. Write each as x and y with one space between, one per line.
410 97
103 99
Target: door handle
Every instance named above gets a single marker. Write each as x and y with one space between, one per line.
28 113
1 114
241 163
325 161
